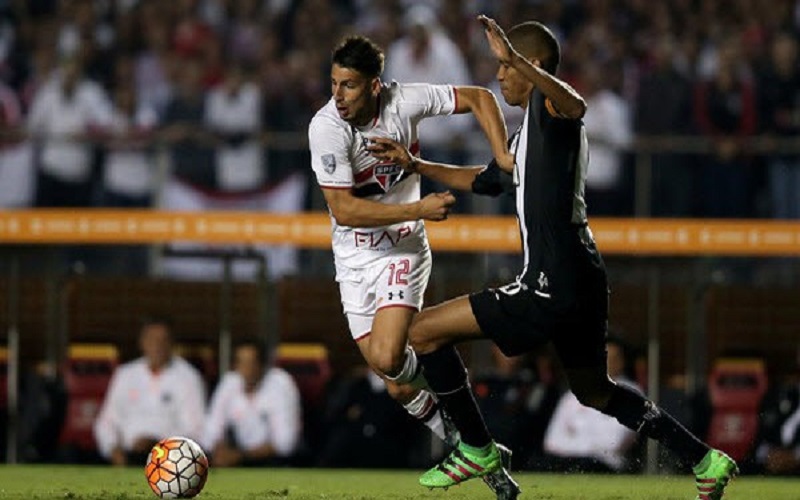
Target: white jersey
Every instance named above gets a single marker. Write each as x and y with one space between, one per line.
140 403
341 161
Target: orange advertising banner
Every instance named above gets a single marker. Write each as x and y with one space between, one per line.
458 234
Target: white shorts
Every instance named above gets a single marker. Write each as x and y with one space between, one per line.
399 280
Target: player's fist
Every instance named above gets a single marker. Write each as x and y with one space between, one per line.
436 206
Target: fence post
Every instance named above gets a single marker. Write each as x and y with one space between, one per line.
653 354
13 360
225 315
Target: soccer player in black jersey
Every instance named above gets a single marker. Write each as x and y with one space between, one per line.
561 294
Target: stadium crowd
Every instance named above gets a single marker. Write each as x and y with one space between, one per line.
90 87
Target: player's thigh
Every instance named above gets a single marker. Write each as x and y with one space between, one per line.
513 317
390 336
399 291
449 322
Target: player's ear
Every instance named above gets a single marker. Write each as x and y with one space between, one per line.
376 87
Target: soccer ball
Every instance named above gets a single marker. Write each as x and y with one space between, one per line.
177 468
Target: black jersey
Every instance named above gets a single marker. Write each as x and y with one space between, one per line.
551 157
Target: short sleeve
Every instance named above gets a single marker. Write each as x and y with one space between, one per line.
492 181
329 155
430 100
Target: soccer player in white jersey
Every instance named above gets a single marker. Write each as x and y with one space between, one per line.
381 251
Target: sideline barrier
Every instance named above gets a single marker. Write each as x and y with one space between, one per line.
614 236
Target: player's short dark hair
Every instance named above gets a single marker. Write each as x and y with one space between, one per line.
259 346
361 54
534 40
157 320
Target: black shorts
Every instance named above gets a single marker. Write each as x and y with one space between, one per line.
519 321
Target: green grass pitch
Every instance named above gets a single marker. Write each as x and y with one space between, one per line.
90 483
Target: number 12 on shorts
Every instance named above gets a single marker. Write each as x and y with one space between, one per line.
398 272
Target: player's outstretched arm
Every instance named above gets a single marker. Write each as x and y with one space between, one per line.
482 103
460 178
567 101
349 210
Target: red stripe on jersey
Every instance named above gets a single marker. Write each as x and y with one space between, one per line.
413 308
364 175
323 186
362 337
455 99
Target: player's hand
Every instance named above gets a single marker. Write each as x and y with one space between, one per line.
436 206
498 41
390 151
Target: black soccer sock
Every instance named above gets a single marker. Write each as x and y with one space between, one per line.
635 411
447 378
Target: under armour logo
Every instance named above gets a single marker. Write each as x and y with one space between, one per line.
399 295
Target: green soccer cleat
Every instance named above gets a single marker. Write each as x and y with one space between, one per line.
462 465
712 475
500 481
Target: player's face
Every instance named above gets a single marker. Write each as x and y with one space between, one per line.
515 88
156 345
248 365
355 95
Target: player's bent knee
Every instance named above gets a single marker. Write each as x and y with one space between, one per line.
387 360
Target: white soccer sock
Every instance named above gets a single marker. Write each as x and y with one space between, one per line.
411 373
425 408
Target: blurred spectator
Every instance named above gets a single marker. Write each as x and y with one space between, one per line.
16 173
245 31
779 92
608 128
361 418
233 116
153 84
191 158
255 414
128 173
778 450
725 111
67 113
642 47
427 55
517 399
151 398
664 107
581 438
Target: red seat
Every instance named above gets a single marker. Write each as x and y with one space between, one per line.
310 367
87 373
736 387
